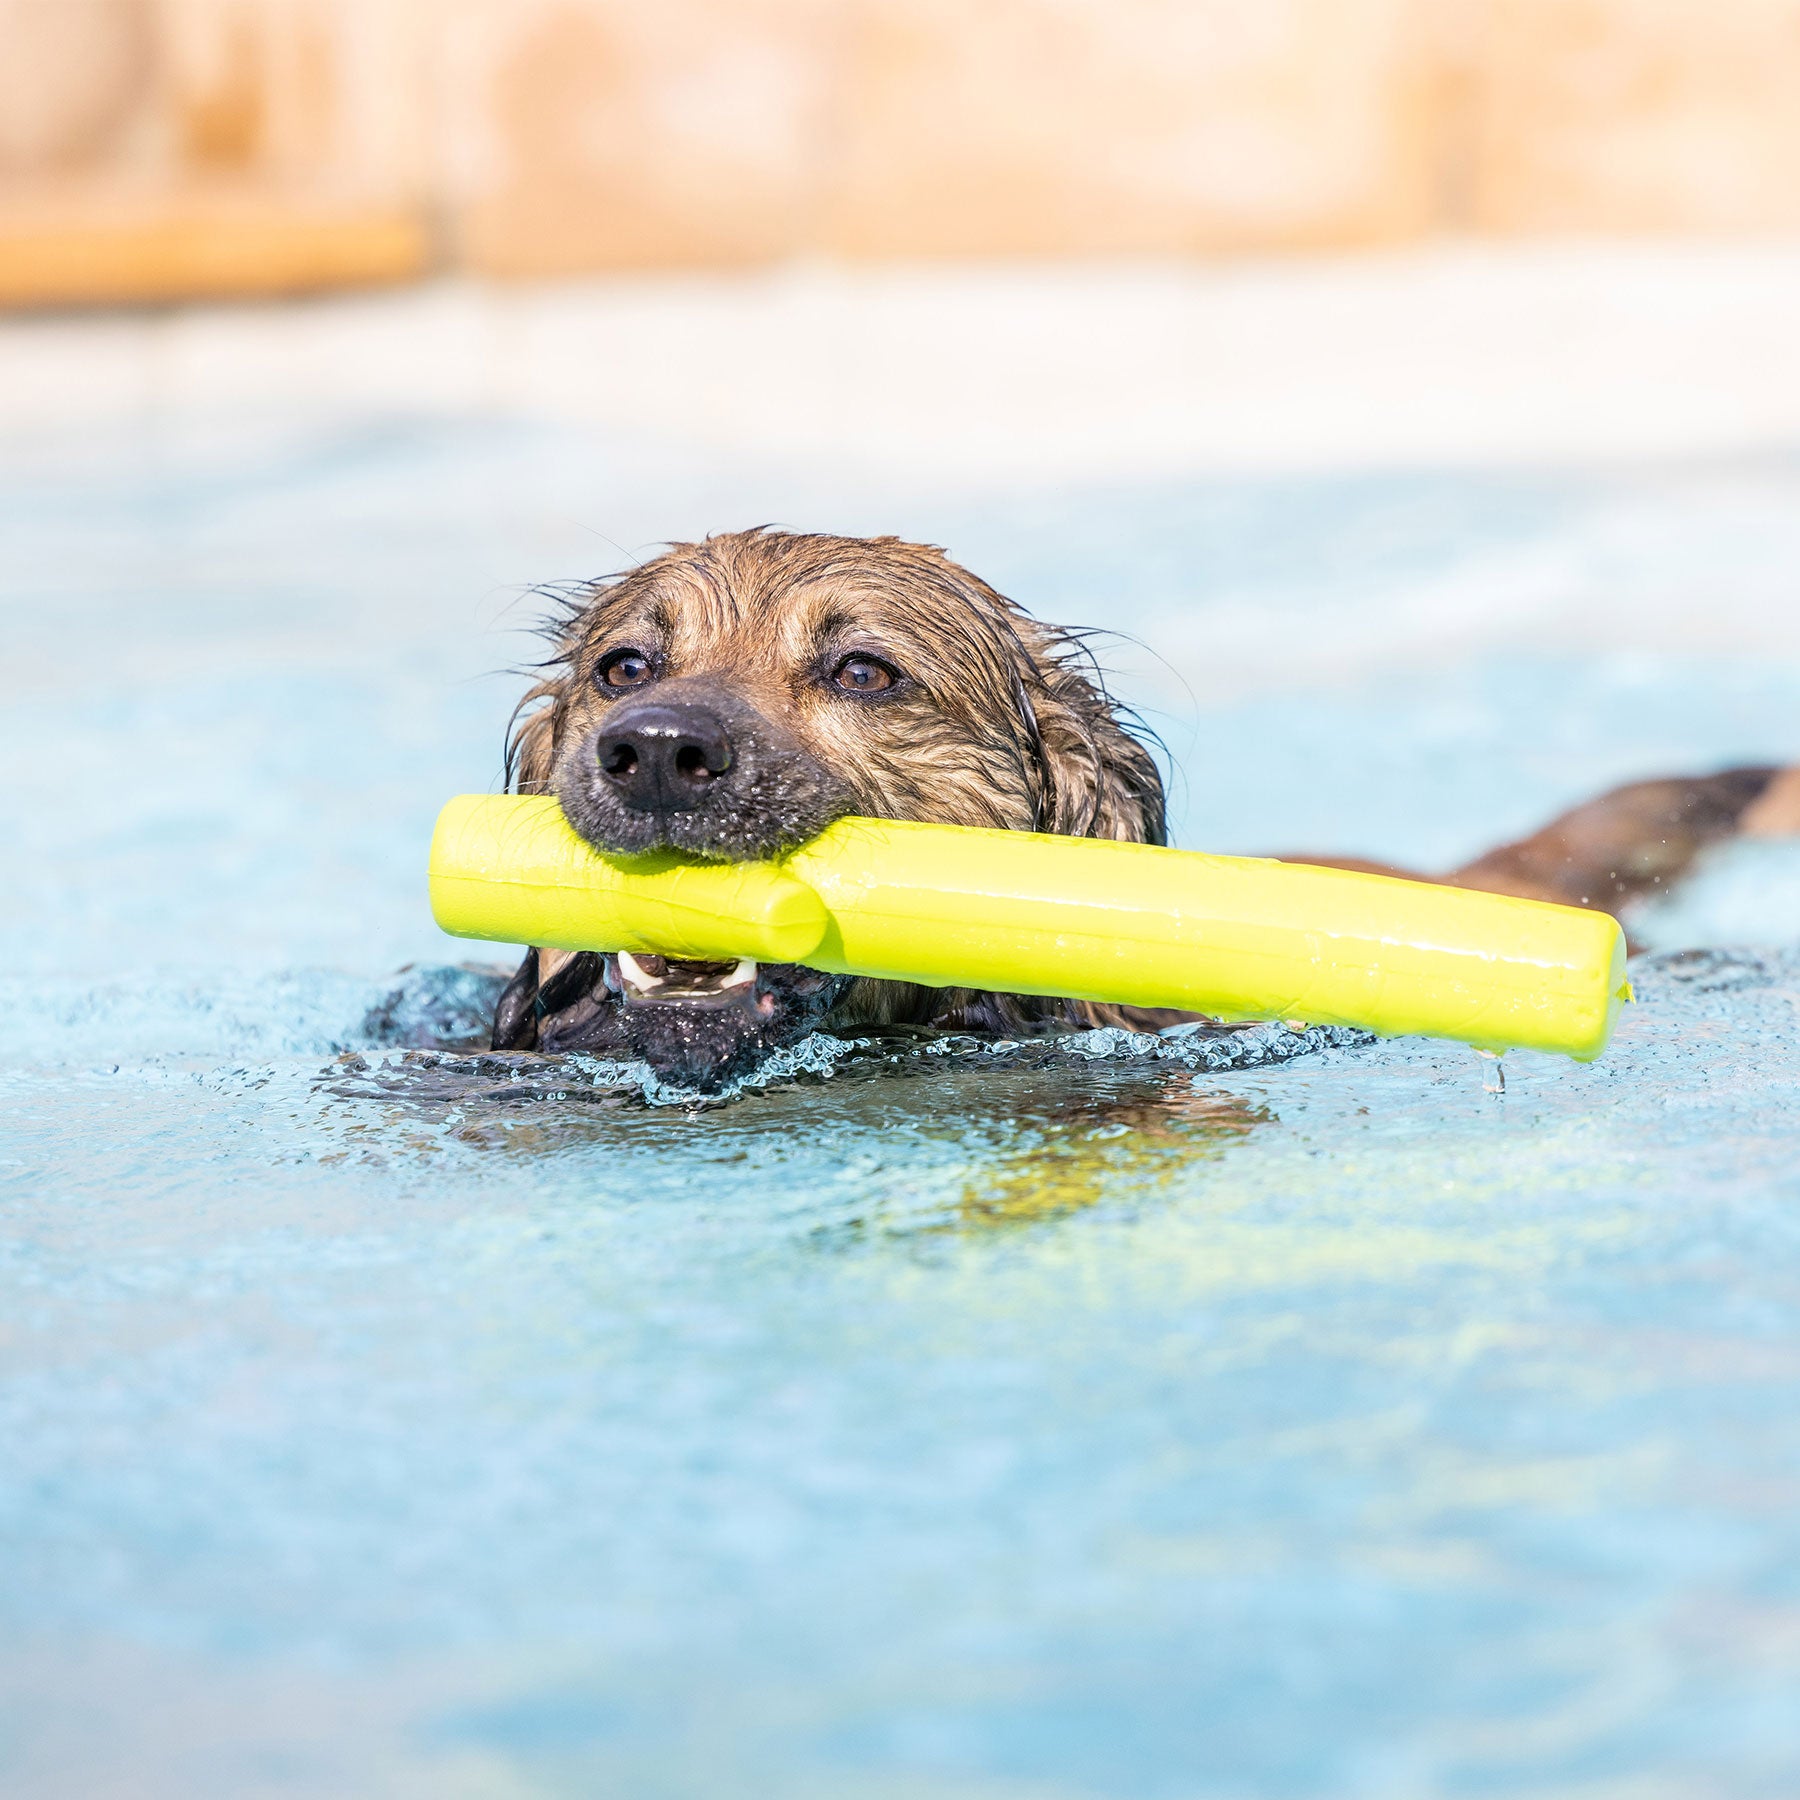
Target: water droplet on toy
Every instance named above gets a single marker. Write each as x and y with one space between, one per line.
1493 1072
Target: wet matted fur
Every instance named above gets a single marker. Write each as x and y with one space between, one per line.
732 697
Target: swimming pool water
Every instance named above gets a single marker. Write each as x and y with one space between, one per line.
380 1419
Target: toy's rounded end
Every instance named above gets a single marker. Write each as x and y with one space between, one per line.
1615 994
508 867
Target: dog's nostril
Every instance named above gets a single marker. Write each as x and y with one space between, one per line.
664 757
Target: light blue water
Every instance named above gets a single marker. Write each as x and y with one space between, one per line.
967 1425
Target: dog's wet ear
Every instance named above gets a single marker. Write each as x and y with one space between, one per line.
531 740
537 721
1095 777
1082 758
515 1017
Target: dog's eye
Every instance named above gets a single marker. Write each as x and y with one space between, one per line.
863 675
623 668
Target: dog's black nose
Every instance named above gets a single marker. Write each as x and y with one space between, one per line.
663 756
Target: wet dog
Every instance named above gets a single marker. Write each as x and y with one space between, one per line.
732 697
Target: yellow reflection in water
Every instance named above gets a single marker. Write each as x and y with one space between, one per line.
1092 1145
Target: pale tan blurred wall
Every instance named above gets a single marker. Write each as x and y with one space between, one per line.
156 147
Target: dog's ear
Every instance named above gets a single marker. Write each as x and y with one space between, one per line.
531 739
1095 777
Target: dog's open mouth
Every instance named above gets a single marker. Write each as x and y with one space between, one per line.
646 980
696 1023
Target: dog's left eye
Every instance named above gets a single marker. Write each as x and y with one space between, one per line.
864 675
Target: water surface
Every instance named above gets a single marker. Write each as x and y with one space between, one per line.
388 1420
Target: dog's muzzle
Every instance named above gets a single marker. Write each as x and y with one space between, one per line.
692 766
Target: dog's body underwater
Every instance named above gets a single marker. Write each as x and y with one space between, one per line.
731 698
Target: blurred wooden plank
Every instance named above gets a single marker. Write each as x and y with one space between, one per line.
1094 127
616 135
715 132
155 150
1637 115
87 251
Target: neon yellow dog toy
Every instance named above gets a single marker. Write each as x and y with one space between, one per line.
946 906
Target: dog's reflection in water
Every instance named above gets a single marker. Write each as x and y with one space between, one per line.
1034 1141
1116 1145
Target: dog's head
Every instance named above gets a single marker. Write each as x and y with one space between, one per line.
733 697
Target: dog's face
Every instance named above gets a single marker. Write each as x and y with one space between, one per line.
733 697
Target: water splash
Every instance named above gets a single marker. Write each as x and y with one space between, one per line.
349 1370
401 1053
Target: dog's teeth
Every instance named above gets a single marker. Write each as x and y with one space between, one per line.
635 972
681 981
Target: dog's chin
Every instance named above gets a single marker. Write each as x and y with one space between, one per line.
698 1025
614 831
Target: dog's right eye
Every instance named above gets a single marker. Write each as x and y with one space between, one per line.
623 669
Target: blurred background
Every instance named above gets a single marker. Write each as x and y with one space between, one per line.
159 148
1411 382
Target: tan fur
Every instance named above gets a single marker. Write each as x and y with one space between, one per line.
1776 812
1628 844
1011 729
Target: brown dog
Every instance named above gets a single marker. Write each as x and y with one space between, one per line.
732 697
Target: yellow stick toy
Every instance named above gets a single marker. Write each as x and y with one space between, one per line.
1230 936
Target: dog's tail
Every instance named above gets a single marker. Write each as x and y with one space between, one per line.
1637 840
1628 844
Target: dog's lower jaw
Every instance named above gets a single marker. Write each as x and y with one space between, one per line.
703 1042
727 1025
